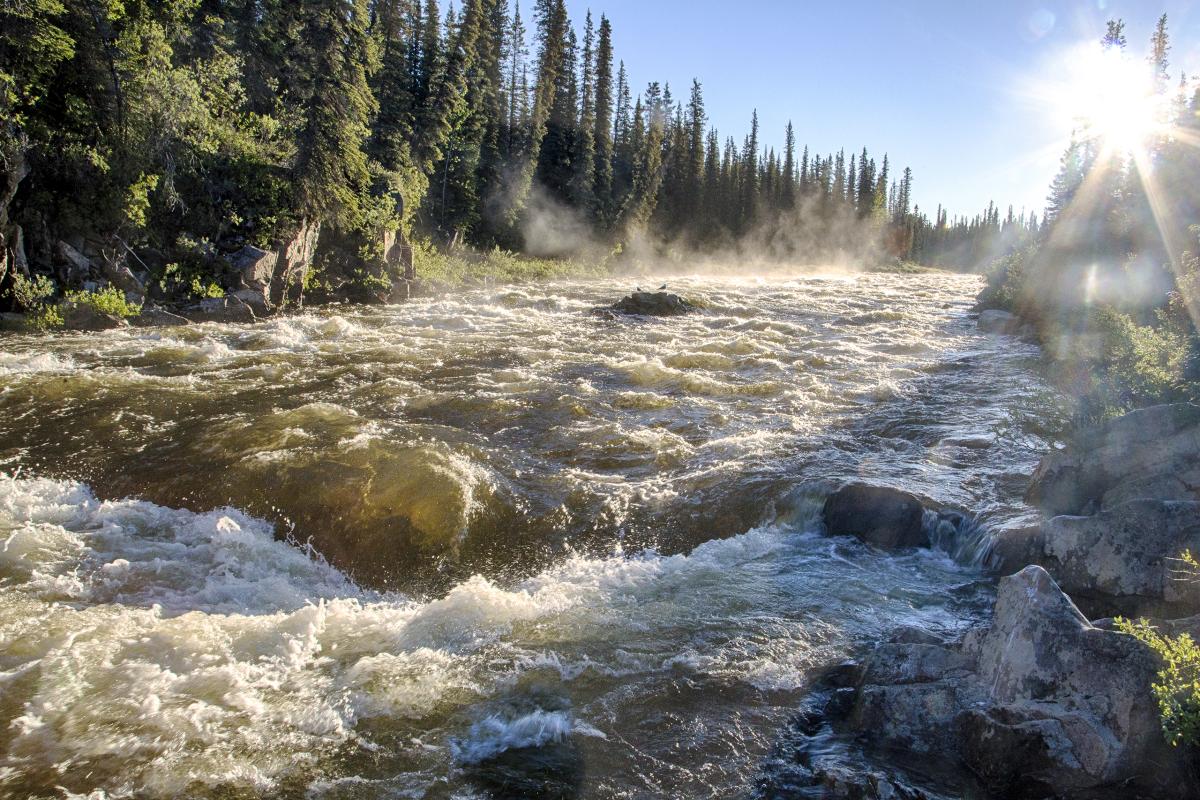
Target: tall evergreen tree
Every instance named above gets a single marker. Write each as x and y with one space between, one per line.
602 133
331 174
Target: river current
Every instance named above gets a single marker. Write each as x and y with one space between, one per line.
484 545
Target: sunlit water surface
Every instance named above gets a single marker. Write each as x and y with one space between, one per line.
571 556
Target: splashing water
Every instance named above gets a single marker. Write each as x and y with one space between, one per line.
495 464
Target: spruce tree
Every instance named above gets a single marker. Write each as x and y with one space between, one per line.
788 193
602 133
331 173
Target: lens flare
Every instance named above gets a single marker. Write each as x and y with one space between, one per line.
1108 95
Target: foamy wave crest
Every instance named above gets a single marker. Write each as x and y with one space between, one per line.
496 734
160 653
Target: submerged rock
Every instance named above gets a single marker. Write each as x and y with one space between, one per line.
155 317
1153 453
880 516
1039 703
654 304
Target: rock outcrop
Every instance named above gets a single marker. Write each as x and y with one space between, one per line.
1038 704
292 267
653 304
1153 453
1121 562
881 517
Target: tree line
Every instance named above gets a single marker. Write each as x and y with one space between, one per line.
164 134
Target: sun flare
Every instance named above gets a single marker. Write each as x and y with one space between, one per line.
1111 96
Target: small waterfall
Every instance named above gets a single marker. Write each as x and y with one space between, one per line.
963 536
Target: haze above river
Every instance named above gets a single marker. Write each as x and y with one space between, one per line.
568 554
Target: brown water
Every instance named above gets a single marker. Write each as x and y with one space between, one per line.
570 556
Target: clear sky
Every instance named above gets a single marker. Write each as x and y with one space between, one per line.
948 87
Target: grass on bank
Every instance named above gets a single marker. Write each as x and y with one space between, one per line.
464 269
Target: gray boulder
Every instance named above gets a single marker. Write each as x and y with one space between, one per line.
83 317
1037 704
257 299
1126 561
123 278
78 266
1153 453
221 309
653 304
255 267
880 516
999 322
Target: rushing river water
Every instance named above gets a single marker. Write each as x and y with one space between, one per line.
560 555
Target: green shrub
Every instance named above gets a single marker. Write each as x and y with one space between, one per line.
1177 689
31 293
1006 281
109 300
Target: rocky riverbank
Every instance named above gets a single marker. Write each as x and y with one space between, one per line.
1048 700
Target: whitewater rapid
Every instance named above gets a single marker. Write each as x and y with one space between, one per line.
602 575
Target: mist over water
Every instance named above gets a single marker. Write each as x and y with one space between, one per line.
554 553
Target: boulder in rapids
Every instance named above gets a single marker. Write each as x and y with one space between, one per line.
219 309
1153 453
878 515
1039 703
653 304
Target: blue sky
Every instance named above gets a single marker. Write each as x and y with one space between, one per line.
947 87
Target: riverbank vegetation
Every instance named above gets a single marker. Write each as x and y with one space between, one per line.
148 145
1111 282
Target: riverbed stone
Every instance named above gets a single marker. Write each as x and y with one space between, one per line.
155 317
1153 453
878 515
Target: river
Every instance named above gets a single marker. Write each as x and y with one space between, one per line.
483 545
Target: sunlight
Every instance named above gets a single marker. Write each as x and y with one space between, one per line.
1109 95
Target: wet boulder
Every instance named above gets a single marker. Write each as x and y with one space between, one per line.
219 309
880 516
653 304
1153 453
